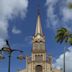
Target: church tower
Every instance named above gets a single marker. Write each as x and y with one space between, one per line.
39 61
38 50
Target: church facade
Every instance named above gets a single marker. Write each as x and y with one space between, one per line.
39 61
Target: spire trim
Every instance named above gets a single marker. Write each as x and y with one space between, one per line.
38 27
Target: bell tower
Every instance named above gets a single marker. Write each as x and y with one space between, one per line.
38 59
38 50
38 38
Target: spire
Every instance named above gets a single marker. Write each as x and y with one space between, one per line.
38 25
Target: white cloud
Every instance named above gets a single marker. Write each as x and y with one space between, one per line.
50 12
59 61
2 43
67 13
9 9
59 14
16 31
3 29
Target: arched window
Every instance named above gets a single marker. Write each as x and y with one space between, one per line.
38 68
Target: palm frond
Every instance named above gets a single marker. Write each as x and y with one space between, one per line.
62 35
70 40
59 38
62 30
70 5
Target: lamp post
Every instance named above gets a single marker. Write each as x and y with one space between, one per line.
10 51
64 61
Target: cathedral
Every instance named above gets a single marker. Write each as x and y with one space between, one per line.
39 61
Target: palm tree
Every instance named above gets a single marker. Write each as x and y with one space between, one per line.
70 5
70 39
63 35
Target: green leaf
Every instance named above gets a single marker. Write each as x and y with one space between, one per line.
70 5
70 40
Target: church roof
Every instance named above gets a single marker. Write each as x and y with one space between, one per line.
38 26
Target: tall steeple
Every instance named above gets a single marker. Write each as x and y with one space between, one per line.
38 25
38 38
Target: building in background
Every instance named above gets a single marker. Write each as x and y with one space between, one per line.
39 60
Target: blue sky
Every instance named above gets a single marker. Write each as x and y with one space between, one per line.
18 22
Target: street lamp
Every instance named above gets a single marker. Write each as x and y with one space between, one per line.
10 51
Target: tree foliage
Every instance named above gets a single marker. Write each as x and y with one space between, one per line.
63 35
70 5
